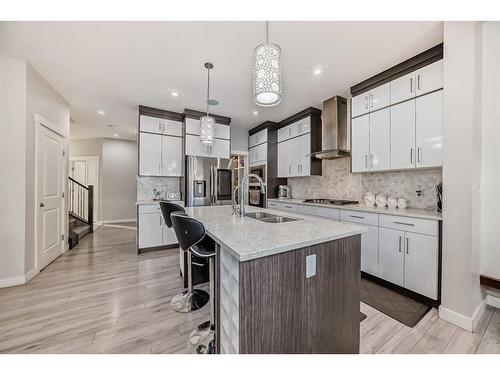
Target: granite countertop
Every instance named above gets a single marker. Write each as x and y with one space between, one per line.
249 238
408 212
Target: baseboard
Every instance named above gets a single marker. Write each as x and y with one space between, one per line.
134 220
462 321
493 301
12 281
31 274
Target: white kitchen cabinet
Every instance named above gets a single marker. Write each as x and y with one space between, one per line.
380 97
429 78
284 164
168 235
429 136
421 264
160 125
380 136
294 157
172 156
220 148
369 249
391 255
360 140
360 104
220 131
295 129
258 154
402 137
403 88
150 157
257 138
150 230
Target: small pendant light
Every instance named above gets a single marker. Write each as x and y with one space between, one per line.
267 85
207 123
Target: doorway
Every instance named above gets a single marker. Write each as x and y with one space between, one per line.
85 170
50 188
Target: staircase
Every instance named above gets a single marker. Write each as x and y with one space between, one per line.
81 211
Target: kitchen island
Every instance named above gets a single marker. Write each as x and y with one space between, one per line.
285 287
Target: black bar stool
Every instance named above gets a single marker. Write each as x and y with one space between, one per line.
191 299
192 236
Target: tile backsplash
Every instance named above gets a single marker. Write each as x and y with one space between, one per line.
338 182
145 186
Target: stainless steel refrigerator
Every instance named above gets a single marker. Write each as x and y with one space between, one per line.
208 181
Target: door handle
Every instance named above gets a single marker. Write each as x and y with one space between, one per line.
407 245
399 243
42 204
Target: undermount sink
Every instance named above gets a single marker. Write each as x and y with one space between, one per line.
269 218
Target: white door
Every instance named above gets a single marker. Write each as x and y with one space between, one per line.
150 230
150 155
360 130
283 159
421 264
369 250
429 78
391 255
303 150
380 135
429 136
171 156
380 97
50 188
403 135
359 104
403 88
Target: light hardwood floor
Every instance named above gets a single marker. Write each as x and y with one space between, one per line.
103 298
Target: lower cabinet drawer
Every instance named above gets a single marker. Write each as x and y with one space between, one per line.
409 224
283 206
330 213
359 217
149 208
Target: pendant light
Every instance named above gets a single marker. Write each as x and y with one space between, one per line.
267 85
207 123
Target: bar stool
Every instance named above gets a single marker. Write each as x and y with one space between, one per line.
191 299
192 236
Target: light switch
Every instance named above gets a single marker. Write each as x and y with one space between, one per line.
310 266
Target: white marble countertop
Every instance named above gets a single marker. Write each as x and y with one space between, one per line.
150 201
249 238
408 212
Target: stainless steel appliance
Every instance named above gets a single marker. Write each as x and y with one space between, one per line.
284 192
208 181
259 170
336 202
255 195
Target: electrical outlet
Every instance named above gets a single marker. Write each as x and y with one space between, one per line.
310 266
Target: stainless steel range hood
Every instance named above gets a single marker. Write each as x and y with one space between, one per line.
334 130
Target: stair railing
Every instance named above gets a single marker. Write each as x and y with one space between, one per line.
81 202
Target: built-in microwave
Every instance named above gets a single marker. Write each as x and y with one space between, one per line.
259 170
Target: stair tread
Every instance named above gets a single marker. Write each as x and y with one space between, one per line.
81 229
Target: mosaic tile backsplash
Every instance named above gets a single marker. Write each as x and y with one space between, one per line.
338 182
145 186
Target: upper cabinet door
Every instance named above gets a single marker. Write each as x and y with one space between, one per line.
403 88
302 126
194 147
220 148
429 78
429 136
172 156
257 138
421 264
303 151
403 153
170 127
360 129
150 161
380 135
149 124
380 97
222 131
360 104
284 159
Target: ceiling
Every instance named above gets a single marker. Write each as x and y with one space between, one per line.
116 66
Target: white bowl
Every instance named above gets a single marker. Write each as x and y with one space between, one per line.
402 203
392 202
381 200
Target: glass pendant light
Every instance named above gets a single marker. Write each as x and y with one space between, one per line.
207 123
267 85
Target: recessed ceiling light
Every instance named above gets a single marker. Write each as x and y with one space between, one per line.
110 125
317 71
101 112
255 113
174 93
116 135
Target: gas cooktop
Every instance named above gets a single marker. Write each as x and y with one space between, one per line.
337 202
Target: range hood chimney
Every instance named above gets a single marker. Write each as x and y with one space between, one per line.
334 130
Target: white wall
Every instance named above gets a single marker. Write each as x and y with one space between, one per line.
118 171
490 152
12 169
239 139
461 294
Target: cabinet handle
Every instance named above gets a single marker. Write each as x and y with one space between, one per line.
418 82
407 245
411 155
366 102
288 206
419 152
411 85
371 96
357 217
371 160
289 132
289 169
366 161
401 223
399 243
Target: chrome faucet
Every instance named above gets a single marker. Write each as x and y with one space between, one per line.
241 192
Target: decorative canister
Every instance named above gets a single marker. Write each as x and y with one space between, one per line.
381 200
369 199
392 202
402 203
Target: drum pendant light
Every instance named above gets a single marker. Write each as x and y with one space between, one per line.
207 123
267 85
